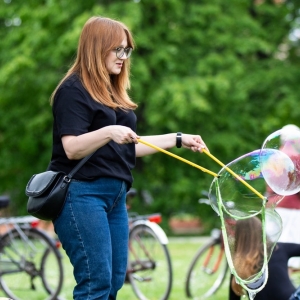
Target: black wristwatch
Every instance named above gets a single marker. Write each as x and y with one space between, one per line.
178 140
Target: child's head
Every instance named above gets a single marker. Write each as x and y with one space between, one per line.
249 250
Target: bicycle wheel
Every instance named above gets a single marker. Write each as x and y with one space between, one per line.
30 265
207 270
149 264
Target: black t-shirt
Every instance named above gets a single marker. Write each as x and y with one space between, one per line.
75 113
279 285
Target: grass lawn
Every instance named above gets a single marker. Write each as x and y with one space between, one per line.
181 250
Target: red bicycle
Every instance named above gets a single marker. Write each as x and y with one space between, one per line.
208 268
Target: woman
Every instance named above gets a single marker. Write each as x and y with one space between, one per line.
248 260
93 112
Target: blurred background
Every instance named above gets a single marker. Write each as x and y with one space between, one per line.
229 71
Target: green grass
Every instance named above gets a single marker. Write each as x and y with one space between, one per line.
181 250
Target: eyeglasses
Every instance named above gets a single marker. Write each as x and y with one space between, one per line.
121 50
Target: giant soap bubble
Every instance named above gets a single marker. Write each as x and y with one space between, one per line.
236 198
250 225
282 169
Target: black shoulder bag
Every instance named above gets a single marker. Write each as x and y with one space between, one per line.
47 192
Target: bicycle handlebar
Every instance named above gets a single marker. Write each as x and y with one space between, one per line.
204 201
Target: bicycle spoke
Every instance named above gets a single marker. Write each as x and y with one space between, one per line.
207 271
25 265
149 266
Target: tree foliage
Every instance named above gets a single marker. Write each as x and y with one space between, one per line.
228 72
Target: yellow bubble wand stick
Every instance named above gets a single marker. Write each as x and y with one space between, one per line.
178 157
234 174
203 169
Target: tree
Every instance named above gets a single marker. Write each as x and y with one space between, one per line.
228 72
215 69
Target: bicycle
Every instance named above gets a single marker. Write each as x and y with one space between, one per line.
149 269
30 262
208 268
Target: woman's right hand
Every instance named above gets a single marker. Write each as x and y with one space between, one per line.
123 135
77 147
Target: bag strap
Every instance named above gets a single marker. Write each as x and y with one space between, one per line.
79 165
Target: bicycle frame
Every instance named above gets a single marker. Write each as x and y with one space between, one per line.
216 264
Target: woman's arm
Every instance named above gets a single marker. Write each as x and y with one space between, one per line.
166 141
77 147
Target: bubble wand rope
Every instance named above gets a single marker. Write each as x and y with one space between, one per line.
235 175
178 157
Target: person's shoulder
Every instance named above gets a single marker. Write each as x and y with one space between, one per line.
70 90
286 248
71 87
287 244
73 81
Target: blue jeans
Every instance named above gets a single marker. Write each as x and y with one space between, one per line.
93 230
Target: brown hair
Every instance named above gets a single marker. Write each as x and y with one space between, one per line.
248 255
98 37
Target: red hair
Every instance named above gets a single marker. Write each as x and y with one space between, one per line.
98 37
